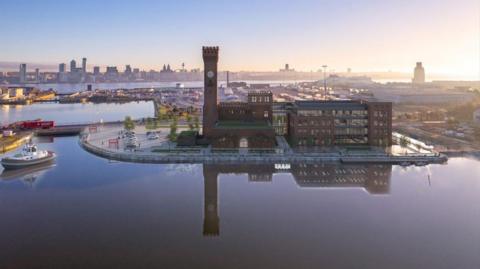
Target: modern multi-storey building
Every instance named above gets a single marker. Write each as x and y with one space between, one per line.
84 65
96 70
256 122
23 73
326 123
62 68
73 66
37 75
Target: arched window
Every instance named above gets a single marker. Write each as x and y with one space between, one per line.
243 143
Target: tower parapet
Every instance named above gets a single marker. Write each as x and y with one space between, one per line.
210 52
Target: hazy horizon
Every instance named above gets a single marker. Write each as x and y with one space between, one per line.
366 36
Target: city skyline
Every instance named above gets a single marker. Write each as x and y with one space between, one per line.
370 36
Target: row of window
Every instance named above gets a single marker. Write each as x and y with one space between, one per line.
351 131
380 114
314 131
380 132
332 112
260 99
380 123
314 142
351 122
242 112
348 141
304 122
280 130
380 142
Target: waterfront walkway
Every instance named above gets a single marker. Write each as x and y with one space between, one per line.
162 151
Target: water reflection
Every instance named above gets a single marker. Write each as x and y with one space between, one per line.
29 175
375 179
75 113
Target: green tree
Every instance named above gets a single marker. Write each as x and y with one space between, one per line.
196 123
310 141
173 130
149 124
404 142
452 123
128 123
190 123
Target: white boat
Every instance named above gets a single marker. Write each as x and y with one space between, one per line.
30 155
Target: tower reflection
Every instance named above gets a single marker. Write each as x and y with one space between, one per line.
375 179
211 221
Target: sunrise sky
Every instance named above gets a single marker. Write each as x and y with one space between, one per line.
253 35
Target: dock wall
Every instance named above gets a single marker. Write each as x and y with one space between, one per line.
236 158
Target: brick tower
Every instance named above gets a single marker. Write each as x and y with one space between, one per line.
210 113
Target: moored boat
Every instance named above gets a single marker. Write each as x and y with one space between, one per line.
30 155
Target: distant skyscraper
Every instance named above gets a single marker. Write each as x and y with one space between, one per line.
37 75
62 68
111 70
62 73
84 65
418 74
73 66
128 69
96 70
287 69
23 73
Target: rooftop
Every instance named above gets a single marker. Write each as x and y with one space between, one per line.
343 104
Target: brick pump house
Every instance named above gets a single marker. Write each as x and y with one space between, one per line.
235 124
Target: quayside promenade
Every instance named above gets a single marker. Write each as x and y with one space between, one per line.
107 142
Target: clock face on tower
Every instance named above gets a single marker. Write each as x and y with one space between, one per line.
210 74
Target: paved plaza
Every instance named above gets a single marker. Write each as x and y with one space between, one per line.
112 138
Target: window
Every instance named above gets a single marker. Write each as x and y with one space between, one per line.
243 143
265 114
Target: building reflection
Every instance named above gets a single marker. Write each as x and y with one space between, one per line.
211 220
375 179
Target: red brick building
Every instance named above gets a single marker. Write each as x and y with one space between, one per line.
327 123
239 124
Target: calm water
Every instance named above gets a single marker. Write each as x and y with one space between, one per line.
87 212
75 113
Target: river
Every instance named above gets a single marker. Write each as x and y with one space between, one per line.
88 212
74 87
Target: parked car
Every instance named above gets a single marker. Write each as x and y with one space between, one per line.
152 136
